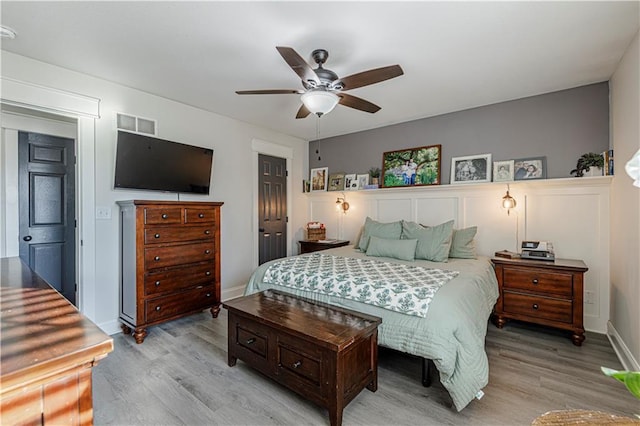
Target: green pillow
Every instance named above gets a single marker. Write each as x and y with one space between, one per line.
434 242
397 249
463 245
372 228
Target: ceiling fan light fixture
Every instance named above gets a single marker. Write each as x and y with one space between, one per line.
319 102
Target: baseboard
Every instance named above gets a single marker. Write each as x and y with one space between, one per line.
233 292
622 350
110 327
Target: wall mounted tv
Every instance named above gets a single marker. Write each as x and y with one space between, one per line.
143 162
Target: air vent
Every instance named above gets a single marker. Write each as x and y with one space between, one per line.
135 124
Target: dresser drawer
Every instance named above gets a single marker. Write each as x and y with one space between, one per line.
301 364
178 279
165 215
252 340
161 257
177 234
195 215
177 304
537 281
538 307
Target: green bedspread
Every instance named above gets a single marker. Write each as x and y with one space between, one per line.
453 332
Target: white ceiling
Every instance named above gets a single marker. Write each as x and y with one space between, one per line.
455 55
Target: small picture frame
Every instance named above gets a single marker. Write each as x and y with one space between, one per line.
336 182
471 169
318 178
530 168
503 171
363 180
350 182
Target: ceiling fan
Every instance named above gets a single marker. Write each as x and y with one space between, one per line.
323 89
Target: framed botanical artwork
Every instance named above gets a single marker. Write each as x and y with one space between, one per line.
336 182
471 169
503 171
319 178
530 168
411 167
350 182
363 180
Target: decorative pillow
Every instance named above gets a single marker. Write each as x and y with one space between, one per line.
463 245
398 249
434 242
372 228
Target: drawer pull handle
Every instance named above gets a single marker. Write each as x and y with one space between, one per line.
156 236
251 341
535 306
156 258
157 308
201 215
297 364
535 281
207 232
207 273
157 283
208 294
207 251
164 215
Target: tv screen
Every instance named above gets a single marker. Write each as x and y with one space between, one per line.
144 162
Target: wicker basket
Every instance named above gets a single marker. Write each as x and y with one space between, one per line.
315 234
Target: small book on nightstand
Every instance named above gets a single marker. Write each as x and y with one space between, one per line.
507 254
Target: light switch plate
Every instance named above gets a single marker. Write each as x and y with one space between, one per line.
103 213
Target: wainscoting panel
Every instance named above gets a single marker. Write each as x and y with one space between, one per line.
571 213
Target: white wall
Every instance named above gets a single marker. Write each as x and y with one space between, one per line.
232 180
625 207
571 213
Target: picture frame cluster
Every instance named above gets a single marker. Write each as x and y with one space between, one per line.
479 168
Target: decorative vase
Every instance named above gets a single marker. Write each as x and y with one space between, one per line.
593 171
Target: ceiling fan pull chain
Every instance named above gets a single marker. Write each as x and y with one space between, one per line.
318 136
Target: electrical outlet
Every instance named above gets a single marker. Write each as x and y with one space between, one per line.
589 297
103 213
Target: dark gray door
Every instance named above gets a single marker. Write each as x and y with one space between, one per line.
47 208
272 204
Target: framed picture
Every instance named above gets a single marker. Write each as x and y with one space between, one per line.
471 169
363 180
350 182
411 167
336 182
503 171
530 168
319 178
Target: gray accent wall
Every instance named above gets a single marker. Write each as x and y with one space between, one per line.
560 126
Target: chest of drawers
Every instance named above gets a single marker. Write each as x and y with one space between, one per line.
541 292
170 262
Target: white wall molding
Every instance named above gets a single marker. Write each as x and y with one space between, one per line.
572 213
622 350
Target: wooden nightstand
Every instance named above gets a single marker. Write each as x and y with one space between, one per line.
541 292
308 246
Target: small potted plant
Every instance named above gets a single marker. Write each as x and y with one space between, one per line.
374 173
585 162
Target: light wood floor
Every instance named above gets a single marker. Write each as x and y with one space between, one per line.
179 376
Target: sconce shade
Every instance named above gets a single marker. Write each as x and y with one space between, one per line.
633 168
319 102
508 202
343 204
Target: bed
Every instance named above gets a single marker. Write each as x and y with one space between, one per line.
451 333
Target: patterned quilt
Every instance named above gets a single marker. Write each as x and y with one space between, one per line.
402 288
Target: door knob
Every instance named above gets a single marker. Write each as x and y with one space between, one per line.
27 238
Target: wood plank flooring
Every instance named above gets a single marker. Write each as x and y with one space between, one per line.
179 376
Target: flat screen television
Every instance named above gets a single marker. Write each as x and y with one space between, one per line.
144 162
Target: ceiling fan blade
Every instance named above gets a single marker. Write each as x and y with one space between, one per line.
303 112
366 78
357 103
270 92
299 65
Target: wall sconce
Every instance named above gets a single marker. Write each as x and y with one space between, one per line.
508 202
341 203
633 168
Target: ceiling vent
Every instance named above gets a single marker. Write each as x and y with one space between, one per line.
135 124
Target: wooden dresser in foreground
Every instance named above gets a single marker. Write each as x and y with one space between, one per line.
322 352
542 292
47 350
170 262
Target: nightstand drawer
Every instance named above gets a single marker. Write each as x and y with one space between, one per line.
538 307
538 281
